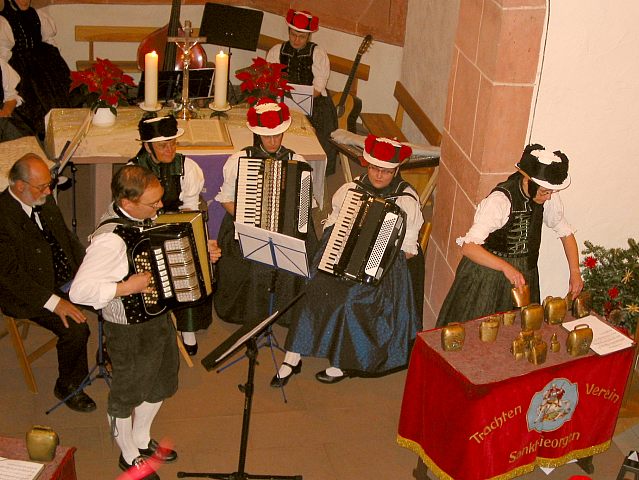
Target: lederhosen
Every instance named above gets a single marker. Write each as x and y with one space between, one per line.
198 316
299 68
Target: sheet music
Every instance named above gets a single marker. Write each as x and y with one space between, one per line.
605 339
300 98
19 469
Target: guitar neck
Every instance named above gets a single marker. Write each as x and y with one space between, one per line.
349 81
170 49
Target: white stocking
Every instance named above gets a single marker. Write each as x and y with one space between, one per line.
291 358
123 435
144 415
189 338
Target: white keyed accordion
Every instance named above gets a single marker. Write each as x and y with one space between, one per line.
365 239
175 250
274 195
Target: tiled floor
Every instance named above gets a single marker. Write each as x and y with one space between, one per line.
345 431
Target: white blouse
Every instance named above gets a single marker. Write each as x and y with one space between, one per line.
321 66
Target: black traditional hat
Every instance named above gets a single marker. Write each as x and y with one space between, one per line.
159 129
545 168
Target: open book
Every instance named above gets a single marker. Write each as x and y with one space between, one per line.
19 469
204 133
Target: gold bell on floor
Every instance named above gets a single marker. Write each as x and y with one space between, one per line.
41 443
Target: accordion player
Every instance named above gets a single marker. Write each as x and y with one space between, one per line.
274 194
174 250
366 237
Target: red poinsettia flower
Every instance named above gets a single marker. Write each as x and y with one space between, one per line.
105 79
590 262
263 79
613 292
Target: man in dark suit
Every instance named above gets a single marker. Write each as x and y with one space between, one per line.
38 258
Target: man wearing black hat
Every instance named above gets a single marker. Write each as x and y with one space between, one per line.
501 248
182 180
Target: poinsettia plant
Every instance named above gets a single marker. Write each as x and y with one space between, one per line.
104 83
263 79
611 275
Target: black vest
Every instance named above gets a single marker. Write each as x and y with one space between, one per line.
299 63
170 176
25 26
282 153
394 189
521 235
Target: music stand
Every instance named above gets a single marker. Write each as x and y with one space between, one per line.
232 27
247 336
279 251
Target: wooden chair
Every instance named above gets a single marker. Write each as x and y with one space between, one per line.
18 329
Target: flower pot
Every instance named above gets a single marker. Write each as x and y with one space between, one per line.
103 117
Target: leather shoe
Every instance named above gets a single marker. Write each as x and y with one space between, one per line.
277 382
80 401
140 469
190 349
324 377
159 453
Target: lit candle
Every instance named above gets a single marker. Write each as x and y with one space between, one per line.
151 80
221 79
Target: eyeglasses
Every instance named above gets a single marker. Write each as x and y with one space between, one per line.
165 145
155 205
40 188
384 171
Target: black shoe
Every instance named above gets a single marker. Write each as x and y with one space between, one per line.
140 469
80 402
277 382
190 349
161 454
324 377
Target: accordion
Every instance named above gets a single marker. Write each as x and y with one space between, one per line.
175 250
274 195
366 237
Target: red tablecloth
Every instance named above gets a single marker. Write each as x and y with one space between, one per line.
479 414
62 467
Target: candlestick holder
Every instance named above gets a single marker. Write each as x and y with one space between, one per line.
219 111
185 109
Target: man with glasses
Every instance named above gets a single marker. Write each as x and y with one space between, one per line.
39 256
183 181
144 355
501 249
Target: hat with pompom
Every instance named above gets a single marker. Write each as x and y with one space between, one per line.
384 152
302 21
544 167
268 117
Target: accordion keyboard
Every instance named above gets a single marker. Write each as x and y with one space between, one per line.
341 231
248 205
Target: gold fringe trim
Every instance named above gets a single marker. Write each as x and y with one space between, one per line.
517 472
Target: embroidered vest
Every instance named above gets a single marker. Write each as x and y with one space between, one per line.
299 63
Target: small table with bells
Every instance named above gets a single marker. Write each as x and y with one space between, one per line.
478 413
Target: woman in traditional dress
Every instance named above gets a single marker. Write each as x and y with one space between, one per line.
27 43
362 329
307 64
243 287
501 248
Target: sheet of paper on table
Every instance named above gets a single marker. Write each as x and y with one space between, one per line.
605 339
19 469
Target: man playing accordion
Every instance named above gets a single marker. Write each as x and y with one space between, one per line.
362 328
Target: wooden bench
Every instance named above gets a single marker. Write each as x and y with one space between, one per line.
93 34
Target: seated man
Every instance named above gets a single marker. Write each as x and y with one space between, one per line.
39 256
143 349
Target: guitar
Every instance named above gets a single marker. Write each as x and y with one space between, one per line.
349 106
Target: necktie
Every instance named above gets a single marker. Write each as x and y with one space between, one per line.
61 264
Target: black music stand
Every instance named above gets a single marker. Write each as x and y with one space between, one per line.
245 336
281 252
232 27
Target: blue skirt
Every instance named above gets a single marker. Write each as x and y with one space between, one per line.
358 327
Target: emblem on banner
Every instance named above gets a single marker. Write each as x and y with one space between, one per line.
553 406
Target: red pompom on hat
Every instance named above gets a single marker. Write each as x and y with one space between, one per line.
267 117
302 21
384 152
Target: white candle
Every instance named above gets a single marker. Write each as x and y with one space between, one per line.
221 79
151 80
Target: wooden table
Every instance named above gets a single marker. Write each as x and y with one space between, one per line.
105 147
62 467
478 413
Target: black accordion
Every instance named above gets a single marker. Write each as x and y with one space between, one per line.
175 250
274 195
365 239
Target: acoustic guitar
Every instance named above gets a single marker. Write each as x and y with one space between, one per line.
349 106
